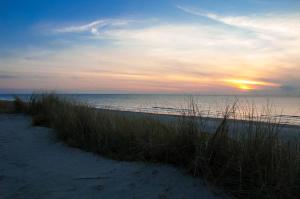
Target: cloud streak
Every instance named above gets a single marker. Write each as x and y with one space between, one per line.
94 27
7 76
286 25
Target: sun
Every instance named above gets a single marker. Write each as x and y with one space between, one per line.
248 85
245 87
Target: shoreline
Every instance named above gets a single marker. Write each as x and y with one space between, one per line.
286 111
174 116
210 122
286 130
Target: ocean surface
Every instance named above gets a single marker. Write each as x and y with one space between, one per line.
285 109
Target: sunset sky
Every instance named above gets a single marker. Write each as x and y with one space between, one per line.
143 46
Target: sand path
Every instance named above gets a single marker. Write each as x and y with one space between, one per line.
33 164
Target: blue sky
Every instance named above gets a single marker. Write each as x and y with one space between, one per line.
150 46
20 19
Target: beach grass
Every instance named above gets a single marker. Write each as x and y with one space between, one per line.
15 106
6 107
254 163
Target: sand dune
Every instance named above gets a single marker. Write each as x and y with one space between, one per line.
35 165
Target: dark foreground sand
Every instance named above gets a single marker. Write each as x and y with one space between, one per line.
33 164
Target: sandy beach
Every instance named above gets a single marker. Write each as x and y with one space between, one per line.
35 165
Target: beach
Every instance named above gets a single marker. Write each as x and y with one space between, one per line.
36 165
149 155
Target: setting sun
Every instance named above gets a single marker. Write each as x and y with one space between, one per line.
246 85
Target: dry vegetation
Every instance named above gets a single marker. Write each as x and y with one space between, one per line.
6 107
253 164
15 106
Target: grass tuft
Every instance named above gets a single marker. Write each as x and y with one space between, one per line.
19 105
6 107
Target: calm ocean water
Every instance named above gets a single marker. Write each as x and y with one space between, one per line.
285 108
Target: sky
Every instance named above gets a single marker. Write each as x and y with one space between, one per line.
142 46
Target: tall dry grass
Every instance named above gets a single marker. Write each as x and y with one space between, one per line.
6 107
247 159
15 106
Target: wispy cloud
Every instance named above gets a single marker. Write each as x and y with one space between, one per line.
7 76
284 24
94 27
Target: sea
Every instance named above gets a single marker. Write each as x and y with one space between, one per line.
285 109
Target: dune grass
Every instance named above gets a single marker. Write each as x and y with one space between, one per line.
15 106
253 164
6 107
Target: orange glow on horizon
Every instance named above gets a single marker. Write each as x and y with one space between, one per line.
247 85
